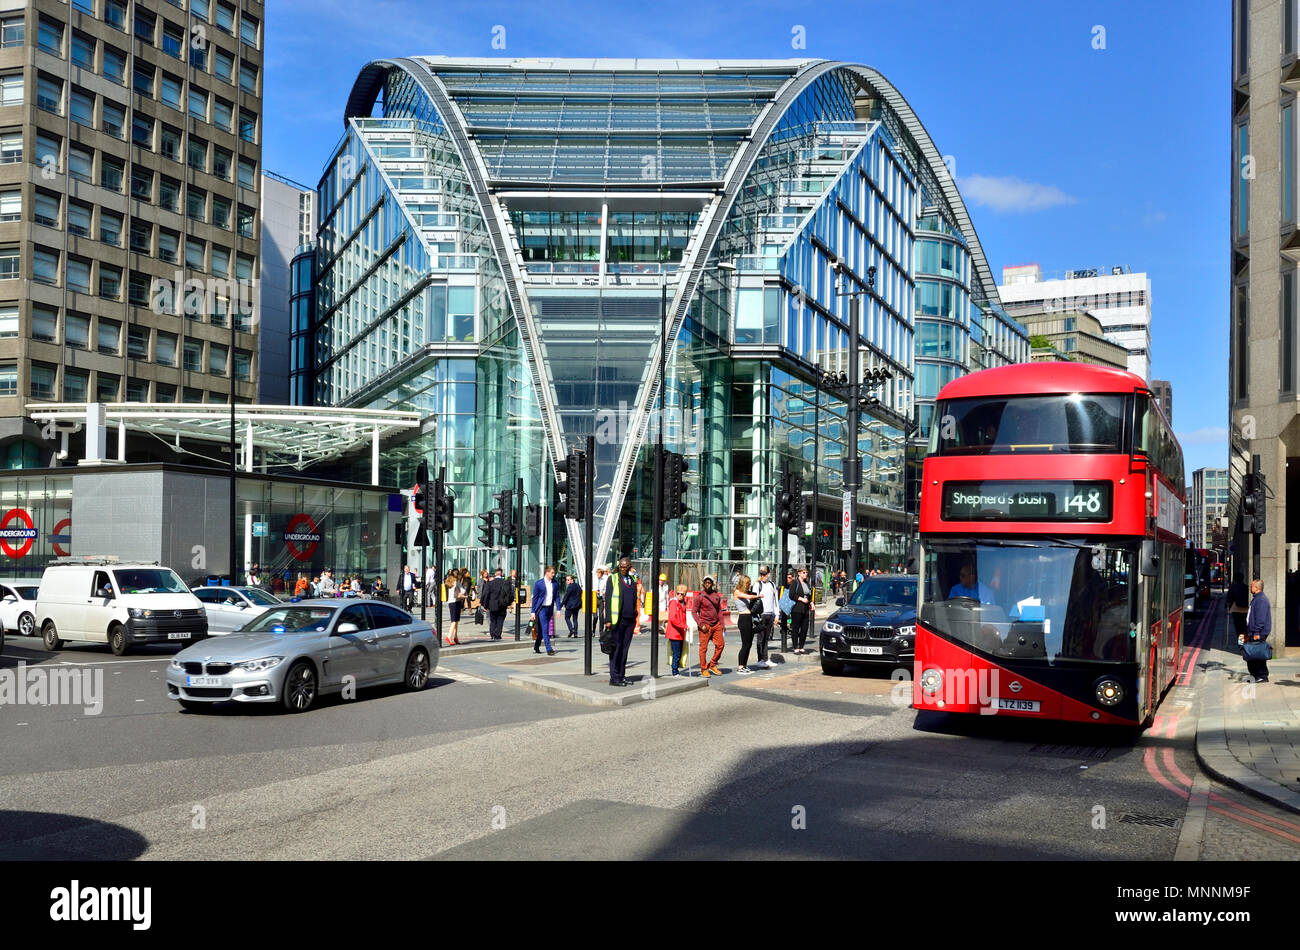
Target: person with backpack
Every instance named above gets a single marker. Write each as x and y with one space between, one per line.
749 603
675 629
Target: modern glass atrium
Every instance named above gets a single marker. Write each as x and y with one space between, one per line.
499 241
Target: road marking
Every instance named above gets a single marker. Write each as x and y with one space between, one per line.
459 676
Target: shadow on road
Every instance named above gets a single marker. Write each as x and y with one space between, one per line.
52 836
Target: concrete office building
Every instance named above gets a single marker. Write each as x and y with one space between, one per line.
1264 237
1117 297
498 239
1207 502
1074 335
1163 390
130 152
288 222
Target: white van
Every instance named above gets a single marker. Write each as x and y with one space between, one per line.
103 601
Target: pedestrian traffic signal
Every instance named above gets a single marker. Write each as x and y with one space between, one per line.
421 504
1254 497
506 517
789 503
485 535
571 483
444 509
533 521
674 486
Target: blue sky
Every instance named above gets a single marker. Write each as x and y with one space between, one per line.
1069 154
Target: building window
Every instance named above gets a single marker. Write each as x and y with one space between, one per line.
141 183
247 216
11 89
220 263
142 78
8 379
83 50
248 126
171 91
137 342
141 236
166 350
110 173
8 320
137 289
247 173
248 78
110 282
1288 331
79 215
223 114
76 331
146 24
173 39
115 65
142 130
248 30
1243 38
169 143
168 242
221 163
195 251
198 104
107 386
197 153
9 263
226 18
217 359
45 265
196 200
164 392
1288 162
223 65
78 274
49 36
243 364
192 395
11 206
45 323
220 310
11 148
199 58
115 14
1243 341
1243 183
193 356
199 9
169 193
114 120
41 382
81 164
81 107
12 31
76 385
221 212
137 390
109 336
49 94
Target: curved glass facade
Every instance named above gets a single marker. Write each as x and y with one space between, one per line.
499 243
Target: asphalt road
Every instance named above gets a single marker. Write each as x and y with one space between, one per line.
790 764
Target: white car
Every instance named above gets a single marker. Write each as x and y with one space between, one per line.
18 606
229 608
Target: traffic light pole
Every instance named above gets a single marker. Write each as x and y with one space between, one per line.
853 477
518 521
658 542
437 558
589 502
784 542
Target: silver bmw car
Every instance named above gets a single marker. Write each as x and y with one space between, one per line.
293 653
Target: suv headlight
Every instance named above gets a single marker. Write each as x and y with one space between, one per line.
259 665
139 612
830 626
908 631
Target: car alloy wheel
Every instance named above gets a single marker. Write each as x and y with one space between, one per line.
417 669
300 687
27 625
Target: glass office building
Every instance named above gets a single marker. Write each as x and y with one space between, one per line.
500 241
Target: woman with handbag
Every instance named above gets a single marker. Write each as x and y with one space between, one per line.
455 597
747 602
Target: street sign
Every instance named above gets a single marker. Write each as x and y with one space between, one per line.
260 529
846 536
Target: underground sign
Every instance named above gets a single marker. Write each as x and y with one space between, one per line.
62 537
17 527
301 537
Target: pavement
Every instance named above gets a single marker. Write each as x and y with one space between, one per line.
1248 733
562 676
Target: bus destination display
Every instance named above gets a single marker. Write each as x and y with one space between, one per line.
1027 501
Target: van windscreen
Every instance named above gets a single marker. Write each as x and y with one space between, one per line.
149 580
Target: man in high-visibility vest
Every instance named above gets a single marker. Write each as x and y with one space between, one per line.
619 613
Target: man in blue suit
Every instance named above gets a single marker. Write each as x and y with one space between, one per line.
571 604
1259 624
545 598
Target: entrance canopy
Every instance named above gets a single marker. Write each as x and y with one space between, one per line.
293 436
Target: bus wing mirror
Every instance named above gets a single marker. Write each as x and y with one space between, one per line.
1150 565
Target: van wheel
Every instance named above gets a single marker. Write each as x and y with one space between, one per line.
117 640
50 637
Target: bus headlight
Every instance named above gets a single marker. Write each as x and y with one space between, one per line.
1109 692
932 682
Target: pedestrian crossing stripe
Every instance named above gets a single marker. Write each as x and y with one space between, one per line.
460 677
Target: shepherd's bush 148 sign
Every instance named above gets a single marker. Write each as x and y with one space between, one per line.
1027 501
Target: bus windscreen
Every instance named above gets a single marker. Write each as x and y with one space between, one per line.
986 425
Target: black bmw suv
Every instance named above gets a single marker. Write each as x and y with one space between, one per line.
877 626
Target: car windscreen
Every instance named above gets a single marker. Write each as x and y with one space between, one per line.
880 593
149 580
260 597
298 619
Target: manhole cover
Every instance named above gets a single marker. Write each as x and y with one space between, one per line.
1069 751
532 661
1151 820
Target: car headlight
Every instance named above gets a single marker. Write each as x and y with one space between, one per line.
259 665
140 612
178 665
830 626
908 631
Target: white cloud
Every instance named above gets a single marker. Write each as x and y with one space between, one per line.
1012 194
1210 435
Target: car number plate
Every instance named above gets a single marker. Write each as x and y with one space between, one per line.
179 636
868 651
203 681
1019 705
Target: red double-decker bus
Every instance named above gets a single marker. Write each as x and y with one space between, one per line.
1052 530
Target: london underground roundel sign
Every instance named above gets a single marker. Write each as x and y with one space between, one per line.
61 537
17 533
301 537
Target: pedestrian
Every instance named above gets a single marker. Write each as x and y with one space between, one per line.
496 600
602 585
407 588
785 604
675 629
327 586
1259 624
1238 605
545 598
763 622
301 588
314 586
572 603
619 613
454 594
708 617
748 602
431 586
379 591
357 587
801 594
664 593
255 576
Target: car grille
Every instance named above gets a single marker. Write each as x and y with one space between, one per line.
207 692
194 669
862 634
214 669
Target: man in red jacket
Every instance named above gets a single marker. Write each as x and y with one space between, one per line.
708 616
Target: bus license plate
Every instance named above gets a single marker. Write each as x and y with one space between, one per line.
1019 705
867 651
203 681
179 636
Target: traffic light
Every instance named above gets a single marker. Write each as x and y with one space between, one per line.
571 483
421 502
799 508
674 486
485 536
786 501
1254 496
399 535
506 517
444 509
533 521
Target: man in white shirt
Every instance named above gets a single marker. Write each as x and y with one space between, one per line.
766 590
327 585
408 587
544 611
